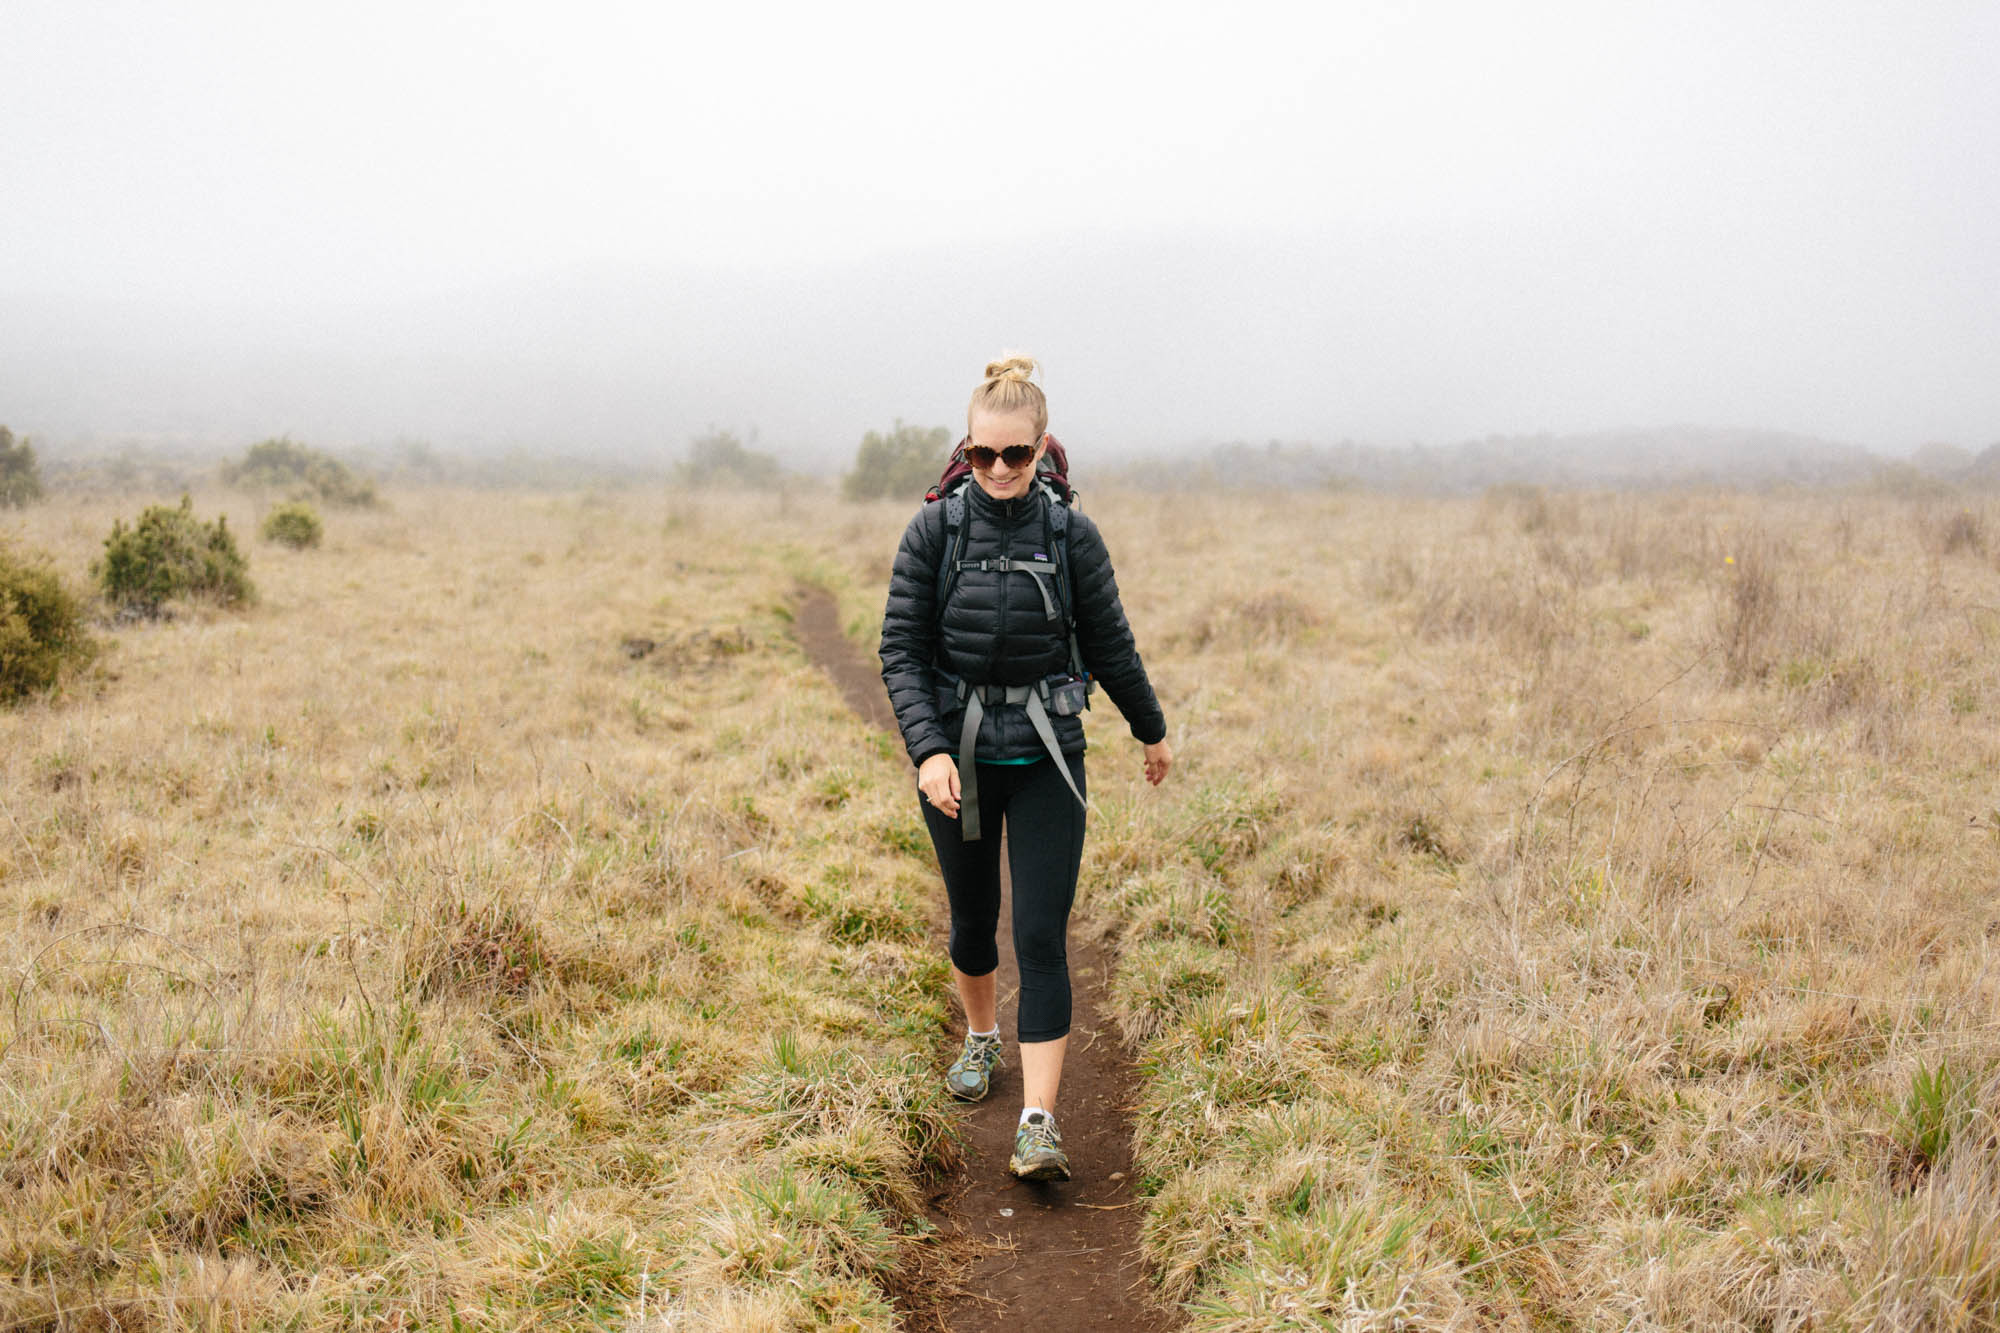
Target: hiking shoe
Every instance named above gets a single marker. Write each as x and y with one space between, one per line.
972 1073
1038 1153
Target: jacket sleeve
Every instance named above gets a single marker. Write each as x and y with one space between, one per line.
1105 639
909 636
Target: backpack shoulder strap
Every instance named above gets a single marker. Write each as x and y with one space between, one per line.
1058 515
952 549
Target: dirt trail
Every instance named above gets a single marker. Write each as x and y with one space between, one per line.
1062 1256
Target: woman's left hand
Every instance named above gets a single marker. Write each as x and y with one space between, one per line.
1159 758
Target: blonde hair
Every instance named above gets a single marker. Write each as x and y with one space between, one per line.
1007 389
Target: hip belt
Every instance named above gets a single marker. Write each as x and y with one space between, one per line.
1069 698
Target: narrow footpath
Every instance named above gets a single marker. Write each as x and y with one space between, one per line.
1062 1256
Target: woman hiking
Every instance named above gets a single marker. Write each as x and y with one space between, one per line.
1000 601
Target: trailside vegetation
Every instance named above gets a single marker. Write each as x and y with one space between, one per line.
718 460
168 553
295 524
1572 910
900 463
42 632
332 1004
1566 911
20 474
300 472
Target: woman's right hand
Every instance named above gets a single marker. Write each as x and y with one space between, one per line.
937 779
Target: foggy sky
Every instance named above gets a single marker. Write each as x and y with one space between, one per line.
490 224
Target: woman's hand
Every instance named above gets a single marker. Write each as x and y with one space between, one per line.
1159 758
937 779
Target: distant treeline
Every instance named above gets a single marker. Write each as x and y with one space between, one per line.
1611 460
901 461
172 467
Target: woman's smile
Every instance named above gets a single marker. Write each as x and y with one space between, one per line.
998 433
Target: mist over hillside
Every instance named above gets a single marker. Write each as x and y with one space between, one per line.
1673 458
1149 344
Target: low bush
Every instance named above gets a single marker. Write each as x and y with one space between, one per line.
41 628
170 553
295 524
1907 482
899 464
1952 530
20 475
718 460
301 472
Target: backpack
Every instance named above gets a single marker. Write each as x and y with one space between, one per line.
1052 479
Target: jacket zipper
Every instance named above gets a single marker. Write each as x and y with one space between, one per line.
1000 599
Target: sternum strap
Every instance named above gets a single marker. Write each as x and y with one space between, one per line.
1035 569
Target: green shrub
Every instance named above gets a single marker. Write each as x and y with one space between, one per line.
1941 1104
301 472
720 459
295 524
1907 482
901 464
20 476
170 553
41 628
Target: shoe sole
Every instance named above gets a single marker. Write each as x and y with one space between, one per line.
1040 1171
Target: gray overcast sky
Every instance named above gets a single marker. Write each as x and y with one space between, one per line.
1398 220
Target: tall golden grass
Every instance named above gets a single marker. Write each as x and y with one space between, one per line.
1567 911
500 926
1570 911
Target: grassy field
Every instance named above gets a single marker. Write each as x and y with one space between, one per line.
500 925
1572 911
1567 911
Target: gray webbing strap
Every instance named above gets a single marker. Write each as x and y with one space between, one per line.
1040 717
1029 696
968 771
1035 569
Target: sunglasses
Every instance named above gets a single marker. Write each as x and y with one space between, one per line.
1015 455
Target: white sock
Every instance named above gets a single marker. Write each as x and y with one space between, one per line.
994 1031
1027 1111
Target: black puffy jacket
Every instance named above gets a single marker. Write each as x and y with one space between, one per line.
997 632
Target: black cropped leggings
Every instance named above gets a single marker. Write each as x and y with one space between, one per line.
1044 850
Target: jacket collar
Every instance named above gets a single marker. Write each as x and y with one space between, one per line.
1007 513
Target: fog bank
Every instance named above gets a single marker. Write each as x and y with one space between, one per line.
1164 341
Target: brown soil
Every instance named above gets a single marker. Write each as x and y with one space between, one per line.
1063 1256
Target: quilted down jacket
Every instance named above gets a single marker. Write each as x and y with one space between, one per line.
996 630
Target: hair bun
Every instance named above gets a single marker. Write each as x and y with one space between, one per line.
1007 390
1011 368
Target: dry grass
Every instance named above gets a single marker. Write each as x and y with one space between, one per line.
1570 911
416 950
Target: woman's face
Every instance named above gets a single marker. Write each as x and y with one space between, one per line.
999 433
